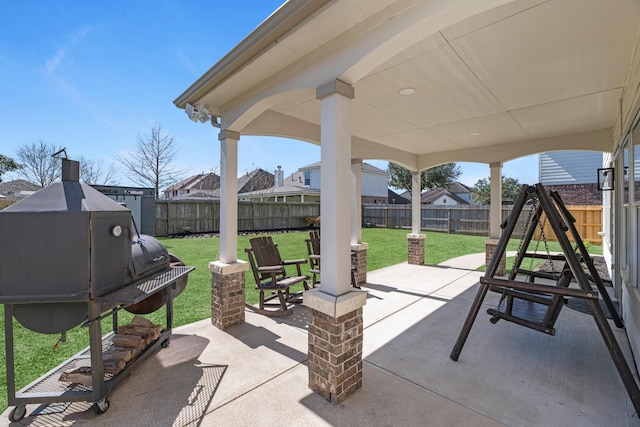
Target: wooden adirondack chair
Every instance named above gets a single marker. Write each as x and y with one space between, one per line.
271 277
313 251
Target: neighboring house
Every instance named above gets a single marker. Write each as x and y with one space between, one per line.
18 189
291 189
207 186
394 198
460 190
573 174
201 185
374 181
442 196
256 180
304 186
456 193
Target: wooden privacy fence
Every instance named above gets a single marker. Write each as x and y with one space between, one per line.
474 220
203 216
588 223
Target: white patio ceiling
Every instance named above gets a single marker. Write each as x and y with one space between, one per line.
493 79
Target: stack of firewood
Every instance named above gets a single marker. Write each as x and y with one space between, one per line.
125 345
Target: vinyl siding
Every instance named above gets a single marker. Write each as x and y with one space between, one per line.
569 167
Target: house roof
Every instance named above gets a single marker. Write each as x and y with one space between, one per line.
458 187
395 198
431 196
202 181
256 180
472 81
366 167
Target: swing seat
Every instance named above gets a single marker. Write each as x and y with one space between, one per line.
533 306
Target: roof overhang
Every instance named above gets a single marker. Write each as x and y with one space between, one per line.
491 80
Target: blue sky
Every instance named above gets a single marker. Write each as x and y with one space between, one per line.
92 76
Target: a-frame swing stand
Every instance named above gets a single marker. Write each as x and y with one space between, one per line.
538 305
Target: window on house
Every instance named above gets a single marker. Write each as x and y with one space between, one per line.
307 178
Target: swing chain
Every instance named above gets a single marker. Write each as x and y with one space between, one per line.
526 227
546 246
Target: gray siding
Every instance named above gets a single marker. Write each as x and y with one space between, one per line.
569 167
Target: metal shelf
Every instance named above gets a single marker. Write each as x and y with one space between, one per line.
137 291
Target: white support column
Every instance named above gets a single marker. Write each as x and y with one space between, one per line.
415 203
495 217
495 211
335 205
228 195
415 240
356 204
335 309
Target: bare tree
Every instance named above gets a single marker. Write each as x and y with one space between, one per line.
39 165
93 172
151 161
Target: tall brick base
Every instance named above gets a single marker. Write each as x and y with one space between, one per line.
490 246
335 343
359 259
416 249
227 293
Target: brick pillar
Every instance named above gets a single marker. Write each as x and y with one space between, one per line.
490 245
416 248
227 293
359 260
335 343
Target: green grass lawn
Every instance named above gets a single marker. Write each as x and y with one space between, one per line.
35 354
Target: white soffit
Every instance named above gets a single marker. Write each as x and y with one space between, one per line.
580 114
481 130
582 48
446 90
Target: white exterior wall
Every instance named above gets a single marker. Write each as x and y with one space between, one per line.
374 184
445 200
624 232
569 167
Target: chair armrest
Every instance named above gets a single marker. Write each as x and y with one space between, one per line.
294 261
314 256
270 268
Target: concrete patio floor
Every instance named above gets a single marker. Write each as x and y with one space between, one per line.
256 374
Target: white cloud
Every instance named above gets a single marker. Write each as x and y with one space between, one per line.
53 64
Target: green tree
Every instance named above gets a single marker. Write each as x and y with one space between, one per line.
481 191
436 177
7 164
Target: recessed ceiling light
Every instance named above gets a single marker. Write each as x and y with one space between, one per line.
474 133
407 91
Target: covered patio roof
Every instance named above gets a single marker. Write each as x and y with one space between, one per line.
435 81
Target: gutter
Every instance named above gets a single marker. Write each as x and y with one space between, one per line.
279 23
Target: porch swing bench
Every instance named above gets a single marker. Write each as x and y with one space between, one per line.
538 305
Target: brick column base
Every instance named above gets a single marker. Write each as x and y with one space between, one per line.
490 245
359 260
416 249
335 343
227 293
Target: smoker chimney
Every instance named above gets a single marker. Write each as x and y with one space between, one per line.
279 177
70 170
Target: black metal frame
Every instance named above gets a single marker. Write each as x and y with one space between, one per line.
101 384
